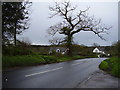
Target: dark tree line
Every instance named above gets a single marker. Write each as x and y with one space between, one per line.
73 22
115 49
15 17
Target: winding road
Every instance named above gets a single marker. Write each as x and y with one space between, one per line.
58 75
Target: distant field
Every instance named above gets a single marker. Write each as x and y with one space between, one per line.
112 66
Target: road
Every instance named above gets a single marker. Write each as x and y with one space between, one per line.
58 75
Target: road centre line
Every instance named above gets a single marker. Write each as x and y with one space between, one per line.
76 63
49 70
43 72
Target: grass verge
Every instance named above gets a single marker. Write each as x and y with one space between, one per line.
30 60
111 66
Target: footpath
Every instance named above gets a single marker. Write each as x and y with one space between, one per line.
100 79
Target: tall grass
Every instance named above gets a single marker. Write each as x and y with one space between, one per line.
28 60
17 56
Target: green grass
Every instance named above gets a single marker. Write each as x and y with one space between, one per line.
26 60
66 58
104 65
18 56
30 60
112 66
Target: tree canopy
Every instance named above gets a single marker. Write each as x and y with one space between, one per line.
74 21
15 17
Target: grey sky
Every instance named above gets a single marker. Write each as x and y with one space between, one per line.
107 11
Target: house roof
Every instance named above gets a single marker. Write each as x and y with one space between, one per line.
100 48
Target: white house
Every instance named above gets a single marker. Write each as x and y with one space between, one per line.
100 51
96 50
61 50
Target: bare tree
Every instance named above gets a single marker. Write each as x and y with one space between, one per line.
73 23
56 41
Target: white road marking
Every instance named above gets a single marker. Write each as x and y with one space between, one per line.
43 72
6 80
76 64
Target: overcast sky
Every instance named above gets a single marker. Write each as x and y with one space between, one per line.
107 11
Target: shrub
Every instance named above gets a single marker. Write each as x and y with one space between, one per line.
115 70
16 50
25 60
112 66
104 65
49 59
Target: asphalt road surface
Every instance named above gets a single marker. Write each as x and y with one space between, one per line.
58 75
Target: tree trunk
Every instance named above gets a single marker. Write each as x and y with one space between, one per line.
15 34
69 43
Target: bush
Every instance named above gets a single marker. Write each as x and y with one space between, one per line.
104 65
116 71
25 60
16 50
28 60
49 59
112 66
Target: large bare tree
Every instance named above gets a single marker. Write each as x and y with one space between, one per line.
74 21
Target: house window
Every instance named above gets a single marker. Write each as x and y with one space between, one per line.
58 50
96 50
63 53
